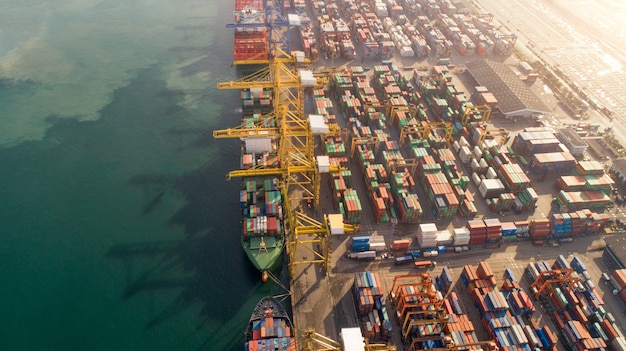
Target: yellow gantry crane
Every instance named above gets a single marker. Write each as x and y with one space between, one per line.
425 131
314 341
298 167
501 133
484 111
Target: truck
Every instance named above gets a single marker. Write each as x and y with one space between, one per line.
363 255
404 259
423 264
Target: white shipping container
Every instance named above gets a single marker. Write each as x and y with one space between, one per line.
456 146
427 228
463 141
478 153
491 173
476 178
474 165
465 154
378 247
318 125
483 164
377 239
490 188
258 145
406 51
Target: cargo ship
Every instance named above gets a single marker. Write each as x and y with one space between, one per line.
251 35
260 199
269 328
262 237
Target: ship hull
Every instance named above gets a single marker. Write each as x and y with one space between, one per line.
269 328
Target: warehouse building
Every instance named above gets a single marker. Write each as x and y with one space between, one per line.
574 143
515 98
615 252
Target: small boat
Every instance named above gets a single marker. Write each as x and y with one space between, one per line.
270 328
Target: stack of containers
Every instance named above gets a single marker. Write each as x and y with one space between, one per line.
513 177
522 229
503 312
378 192
350 207
526 200
370 302
334 146
577 265
504 202
577 200
577 309
602 183
494 230
560 225
441 195
400 246
339 186
413 296
509 230
377 243
459 327
585 168
577 337
262 212
518 299
478 231
539 228
461 236
407 204
490 188
491 304
427 235
360 243
444 280
444 238
537 141
552 162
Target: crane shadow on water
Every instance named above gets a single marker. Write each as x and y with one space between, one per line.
190 265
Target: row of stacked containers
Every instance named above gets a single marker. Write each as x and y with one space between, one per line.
344 196
422 305
428 320
574 305
501 182
391 188
378 28
506 311
369 297
493 231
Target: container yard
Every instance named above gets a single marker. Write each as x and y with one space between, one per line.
450 209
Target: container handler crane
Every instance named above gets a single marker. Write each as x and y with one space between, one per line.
314 341
425 131
545 279
300 170
483 111
501 134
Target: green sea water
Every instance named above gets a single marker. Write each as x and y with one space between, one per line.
118 230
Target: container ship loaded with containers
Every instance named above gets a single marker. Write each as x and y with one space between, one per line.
269 328
251 36
260 199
